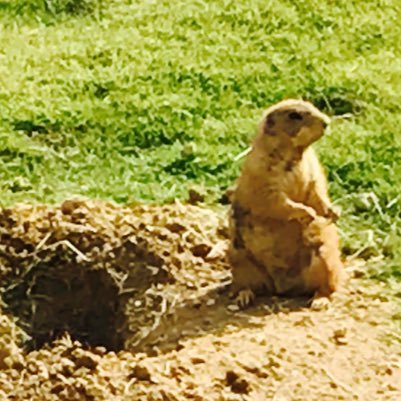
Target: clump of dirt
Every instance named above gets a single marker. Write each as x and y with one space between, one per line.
11 336
126 303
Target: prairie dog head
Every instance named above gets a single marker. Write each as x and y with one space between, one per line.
292 124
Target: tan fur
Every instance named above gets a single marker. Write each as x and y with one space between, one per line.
283 236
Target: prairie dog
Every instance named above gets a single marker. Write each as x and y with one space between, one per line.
283 236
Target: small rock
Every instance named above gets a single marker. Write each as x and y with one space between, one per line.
233 308
18 363
201 250
210 302
67 367
358 273
196 360
57 388
194 197
190 285
231 377
218 251
392 387
99 350
238 385
68 206
85 359
175 227
339 336
141 373
305 321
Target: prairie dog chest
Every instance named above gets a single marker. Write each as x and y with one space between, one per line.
295 178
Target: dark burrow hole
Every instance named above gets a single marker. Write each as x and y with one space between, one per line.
89 303
85 305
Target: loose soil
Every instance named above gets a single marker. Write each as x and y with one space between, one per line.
104 302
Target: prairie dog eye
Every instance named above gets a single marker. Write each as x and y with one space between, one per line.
295 116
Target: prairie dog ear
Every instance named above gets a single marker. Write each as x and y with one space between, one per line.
270 124
280 121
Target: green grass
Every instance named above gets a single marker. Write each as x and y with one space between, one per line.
141 100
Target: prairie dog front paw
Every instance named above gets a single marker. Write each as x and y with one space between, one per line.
333 213
245 298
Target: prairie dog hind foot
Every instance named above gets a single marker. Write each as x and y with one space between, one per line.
244 298
320 302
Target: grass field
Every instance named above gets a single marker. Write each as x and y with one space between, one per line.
141 100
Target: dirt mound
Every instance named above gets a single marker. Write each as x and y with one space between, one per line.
107 275
103 302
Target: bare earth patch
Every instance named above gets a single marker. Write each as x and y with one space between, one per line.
103 302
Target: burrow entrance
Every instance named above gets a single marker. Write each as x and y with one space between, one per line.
58 292
108 275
